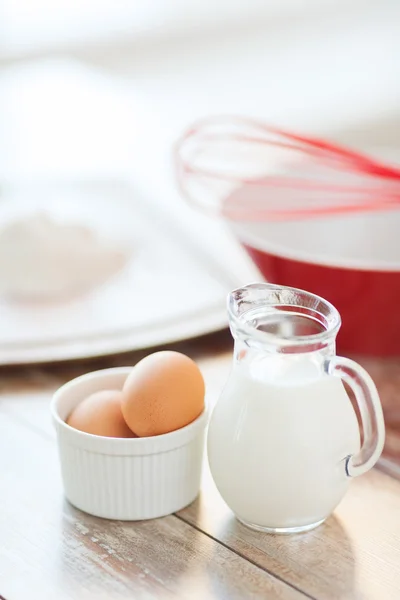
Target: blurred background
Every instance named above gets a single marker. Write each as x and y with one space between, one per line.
93 95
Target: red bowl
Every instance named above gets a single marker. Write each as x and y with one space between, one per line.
352 261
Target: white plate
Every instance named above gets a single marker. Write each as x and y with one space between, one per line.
70 123
170 289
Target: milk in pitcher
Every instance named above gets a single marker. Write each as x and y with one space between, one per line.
278 441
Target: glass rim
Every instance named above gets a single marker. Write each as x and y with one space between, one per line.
331 322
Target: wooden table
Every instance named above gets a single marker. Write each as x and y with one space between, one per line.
49 550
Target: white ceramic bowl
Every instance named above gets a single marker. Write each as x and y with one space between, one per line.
127 479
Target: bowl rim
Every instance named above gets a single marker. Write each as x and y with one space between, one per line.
252 241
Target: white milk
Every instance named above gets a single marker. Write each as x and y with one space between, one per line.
278 440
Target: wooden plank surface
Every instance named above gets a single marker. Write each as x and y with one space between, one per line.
48 549
355 554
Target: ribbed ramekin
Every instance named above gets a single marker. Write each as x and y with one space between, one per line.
125 479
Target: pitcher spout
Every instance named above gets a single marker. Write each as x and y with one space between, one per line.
283 316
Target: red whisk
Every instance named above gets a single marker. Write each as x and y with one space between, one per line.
293 176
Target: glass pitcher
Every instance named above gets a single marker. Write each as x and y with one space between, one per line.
284 440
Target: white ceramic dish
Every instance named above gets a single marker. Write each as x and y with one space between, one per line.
126 479
171 288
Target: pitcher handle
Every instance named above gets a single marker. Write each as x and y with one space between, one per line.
370 407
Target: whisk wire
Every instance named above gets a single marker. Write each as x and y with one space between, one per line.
212 140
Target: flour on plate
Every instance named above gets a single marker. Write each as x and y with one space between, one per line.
40 257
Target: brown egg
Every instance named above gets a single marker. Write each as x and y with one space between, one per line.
100 414
164 392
